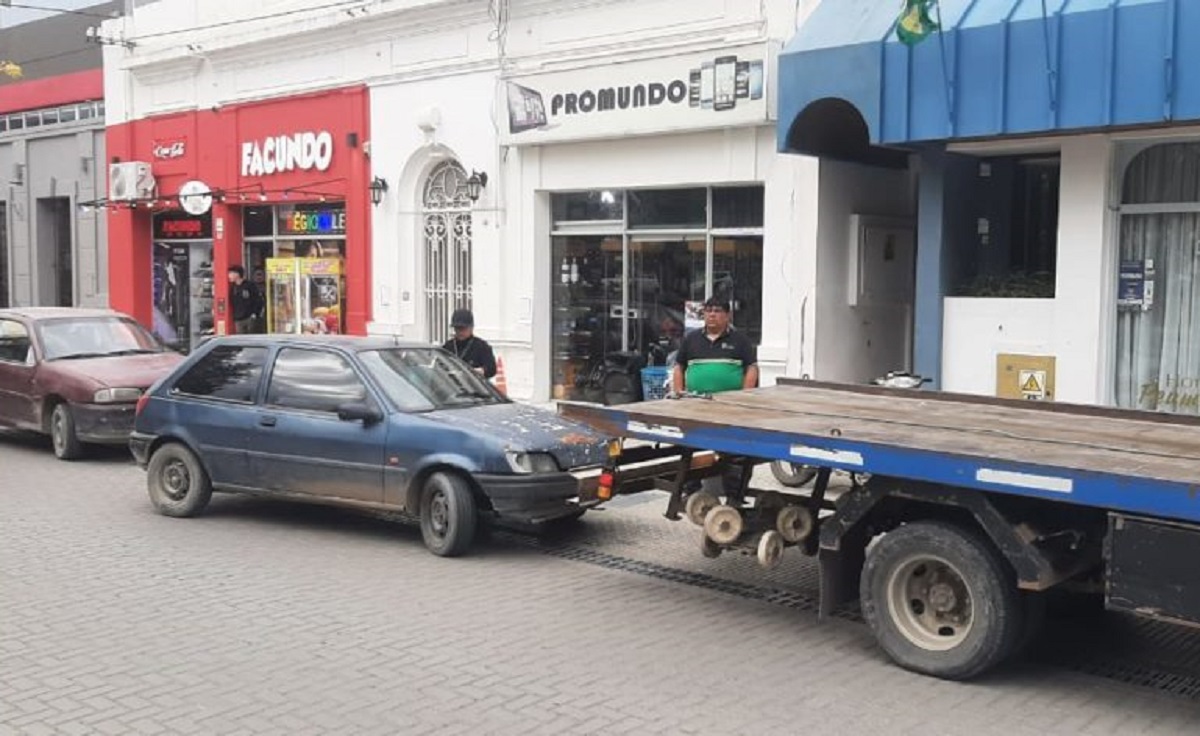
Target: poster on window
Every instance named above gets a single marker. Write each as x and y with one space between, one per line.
693 315
1135 288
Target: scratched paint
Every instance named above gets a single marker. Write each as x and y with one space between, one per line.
524 428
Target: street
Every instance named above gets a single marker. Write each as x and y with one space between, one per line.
263 617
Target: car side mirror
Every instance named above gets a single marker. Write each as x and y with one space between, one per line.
360 411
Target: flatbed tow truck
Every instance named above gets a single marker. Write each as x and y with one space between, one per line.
963 512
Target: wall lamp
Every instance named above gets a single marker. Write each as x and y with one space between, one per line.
475 185
378 187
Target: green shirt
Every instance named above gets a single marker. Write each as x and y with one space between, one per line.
711 366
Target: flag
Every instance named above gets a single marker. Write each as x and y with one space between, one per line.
10 69
915 23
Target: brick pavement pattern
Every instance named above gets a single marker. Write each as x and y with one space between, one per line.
263 618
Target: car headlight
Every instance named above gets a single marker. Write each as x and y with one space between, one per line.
532 462
117 395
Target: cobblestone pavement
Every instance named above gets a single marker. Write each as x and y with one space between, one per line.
273 618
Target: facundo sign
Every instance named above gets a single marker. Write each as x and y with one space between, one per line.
277 154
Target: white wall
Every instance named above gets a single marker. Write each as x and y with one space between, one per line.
855 344
975 331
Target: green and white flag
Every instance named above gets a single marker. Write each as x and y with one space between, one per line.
915 23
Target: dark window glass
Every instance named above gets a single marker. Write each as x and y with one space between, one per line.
67 114
588 206
668 208
14 341
313 380
16 122
230 373
257 222
738 207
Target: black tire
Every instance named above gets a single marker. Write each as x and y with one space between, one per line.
177 482
62 433
792 475
449 517
957 569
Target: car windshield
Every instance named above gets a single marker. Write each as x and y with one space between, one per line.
95 337
422 379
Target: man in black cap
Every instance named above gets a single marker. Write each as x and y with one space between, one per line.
716 358
472 350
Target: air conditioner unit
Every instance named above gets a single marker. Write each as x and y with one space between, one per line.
129 181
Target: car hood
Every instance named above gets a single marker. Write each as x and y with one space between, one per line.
121 371
524 428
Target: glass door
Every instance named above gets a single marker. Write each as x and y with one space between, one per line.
666 278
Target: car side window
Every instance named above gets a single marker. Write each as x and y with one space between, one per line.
313 380
15 345
229 373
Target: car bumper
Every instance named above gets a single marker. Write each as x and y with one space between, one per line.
534 498
103 424
139 446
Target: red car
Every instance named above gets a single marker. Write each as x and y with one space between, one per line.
76 374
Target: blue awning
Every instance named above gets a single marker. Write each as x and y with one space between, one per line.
999 68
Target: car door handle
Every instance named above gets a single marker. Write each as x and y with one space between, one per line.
267 421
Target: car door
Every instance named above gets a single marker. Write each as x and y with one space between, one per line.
213 406
301 446
18 407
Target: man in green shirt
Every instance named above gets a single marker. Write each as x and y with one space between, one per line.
717 358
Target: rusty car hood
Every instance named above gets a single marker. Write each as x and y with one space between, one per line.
122 371
525 428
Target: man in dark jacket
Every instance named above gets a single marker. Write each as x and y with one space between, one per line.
246 302
472 350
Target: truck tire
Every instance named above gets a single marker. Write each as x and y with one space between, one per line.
792 475
63 436
448 515
941 600
176 481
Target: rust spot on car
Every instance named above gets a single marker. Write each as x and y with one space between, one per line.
575 438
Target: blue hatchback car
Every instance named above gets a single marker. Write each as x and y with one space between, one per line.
358 421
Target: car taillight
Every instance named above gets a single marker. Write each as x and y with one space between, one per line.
141 403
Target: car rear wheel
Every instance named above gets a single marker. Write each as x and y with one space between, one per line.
448 515
177 482
62 434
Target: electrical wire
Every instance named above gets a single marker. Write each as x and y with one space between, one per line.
238 21
59 11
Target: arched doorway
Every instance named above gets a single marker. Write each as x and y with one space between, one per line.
446 223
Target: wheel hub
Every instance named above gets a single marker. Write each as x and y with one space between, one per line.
930 603
176 480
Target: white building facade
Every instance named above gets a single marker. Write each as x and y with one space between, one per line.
625 161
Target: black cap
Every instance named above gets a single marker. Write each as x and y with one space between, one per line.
462 318
717 303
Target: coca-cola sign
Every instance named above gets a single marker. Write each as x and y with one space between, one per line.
167 150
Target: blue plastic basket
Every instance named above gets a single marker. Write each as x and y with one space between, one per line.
654 382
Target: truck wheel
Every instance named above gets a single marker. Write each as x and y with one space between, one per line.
62 434
177 482
941 600
792 475
448 515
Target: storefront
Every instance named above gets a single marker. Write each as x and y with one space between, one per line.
1057 253
279 187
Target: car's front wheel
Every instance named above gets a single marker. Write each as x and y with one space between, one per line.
448 515
62 434
177 482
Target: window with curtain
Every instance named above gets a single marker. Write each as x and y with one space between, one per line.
1158 322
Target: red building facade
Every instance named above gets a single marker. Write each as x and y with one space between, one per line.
288 177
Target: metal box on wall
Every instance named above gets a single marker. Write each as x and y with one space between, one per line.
1029 377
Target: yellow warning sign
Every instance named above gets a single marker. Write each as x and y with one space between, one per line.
1033 384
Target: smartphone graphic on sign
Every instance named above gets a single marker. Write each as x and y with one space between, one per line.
756 80
725 83
694 88
706 85
742 83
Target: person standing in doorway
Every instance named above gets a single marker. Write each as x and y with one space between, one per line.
246 301
717 358
471 349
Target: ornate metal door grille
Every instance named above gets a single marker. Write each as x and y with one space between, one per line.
447 224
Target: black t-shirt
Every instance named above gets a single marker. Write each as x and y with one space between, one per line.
717 365
475 352
246 300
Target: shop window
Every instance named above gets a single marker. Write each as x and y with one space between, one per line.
1003 227
258 222
1158 286
624 294
668 209
446 222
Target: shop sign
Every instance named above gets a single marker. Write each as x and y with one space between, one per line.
305 151
179 226
169 149
721 88
330 221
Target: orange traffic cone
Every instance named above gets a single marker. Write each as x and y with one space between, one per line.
500 381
